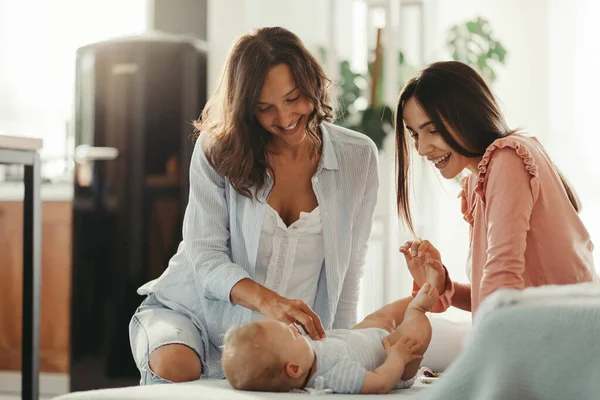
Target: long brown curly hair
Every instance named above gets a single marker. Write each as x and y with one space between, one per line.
237 149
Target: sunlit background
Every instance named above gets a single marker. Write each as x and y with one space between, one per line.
543 55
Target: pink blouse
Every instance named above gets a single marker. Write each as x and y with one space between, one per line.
524 230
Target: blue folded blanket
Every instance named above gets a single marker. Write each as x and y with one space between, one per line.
537 344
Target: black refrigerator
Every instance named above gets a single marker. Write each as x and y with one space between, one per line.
136 98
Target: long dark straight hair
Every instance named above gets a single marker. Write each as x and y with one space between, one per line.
237 148
452 94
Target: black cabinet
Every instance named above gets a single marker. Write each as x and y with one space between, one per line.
135 100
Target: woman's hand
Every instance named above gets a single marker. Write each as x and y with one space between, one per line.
424 263
294 312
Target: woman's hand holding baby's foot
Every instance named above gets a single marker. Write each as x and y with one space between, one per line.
426 296
424 263
404 349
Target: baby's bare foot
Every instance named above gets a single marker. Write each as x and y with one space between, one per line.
426 296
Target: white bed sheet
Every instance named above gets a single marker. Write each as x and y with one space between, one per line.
218 390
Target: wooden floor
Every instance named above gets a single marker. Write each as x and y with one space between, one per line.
51 385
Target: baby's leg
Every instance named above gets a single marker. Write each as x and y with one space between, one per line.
388 317
424 299
416 325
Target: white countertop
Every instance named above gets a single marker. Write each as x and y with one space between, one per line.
20 143
14 191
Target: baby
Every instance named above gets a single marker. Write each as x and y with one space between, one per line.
373 357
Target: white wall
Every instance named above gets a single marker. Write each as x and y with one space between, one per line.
226 19
522 27
292 15
309 19
574 82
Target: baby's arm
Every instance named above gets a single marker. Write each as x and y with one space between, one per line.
384 378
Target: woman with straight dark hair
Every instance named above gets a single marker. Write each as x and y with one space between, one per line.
523 214
280 210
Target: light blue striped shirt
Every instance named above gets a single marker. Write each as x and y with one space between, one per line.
221 231
345 356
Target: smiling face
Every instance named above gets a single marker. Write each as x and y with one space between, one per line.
282 109
430 144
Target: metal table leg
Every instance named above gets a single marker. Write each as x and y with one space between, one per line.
32 274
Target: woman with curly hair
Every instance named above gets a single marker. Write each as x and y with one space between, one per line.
280 210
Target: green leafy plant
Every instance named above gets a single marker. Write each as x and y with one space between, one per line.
370 116
472 42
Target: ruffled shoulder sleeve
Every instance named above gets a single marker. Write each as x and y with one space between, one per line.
466 206
522 146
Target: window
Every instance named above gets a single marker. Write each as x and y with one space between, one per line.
38 41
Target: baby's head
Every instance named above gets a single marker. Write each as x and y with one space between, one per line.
267 356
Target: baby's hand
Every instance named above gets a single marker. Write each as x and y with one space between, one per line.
405 349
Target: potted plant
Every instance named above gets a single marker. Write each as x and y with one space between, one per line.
470 42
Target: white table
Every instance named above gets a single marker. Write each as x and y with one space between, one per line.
24 151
